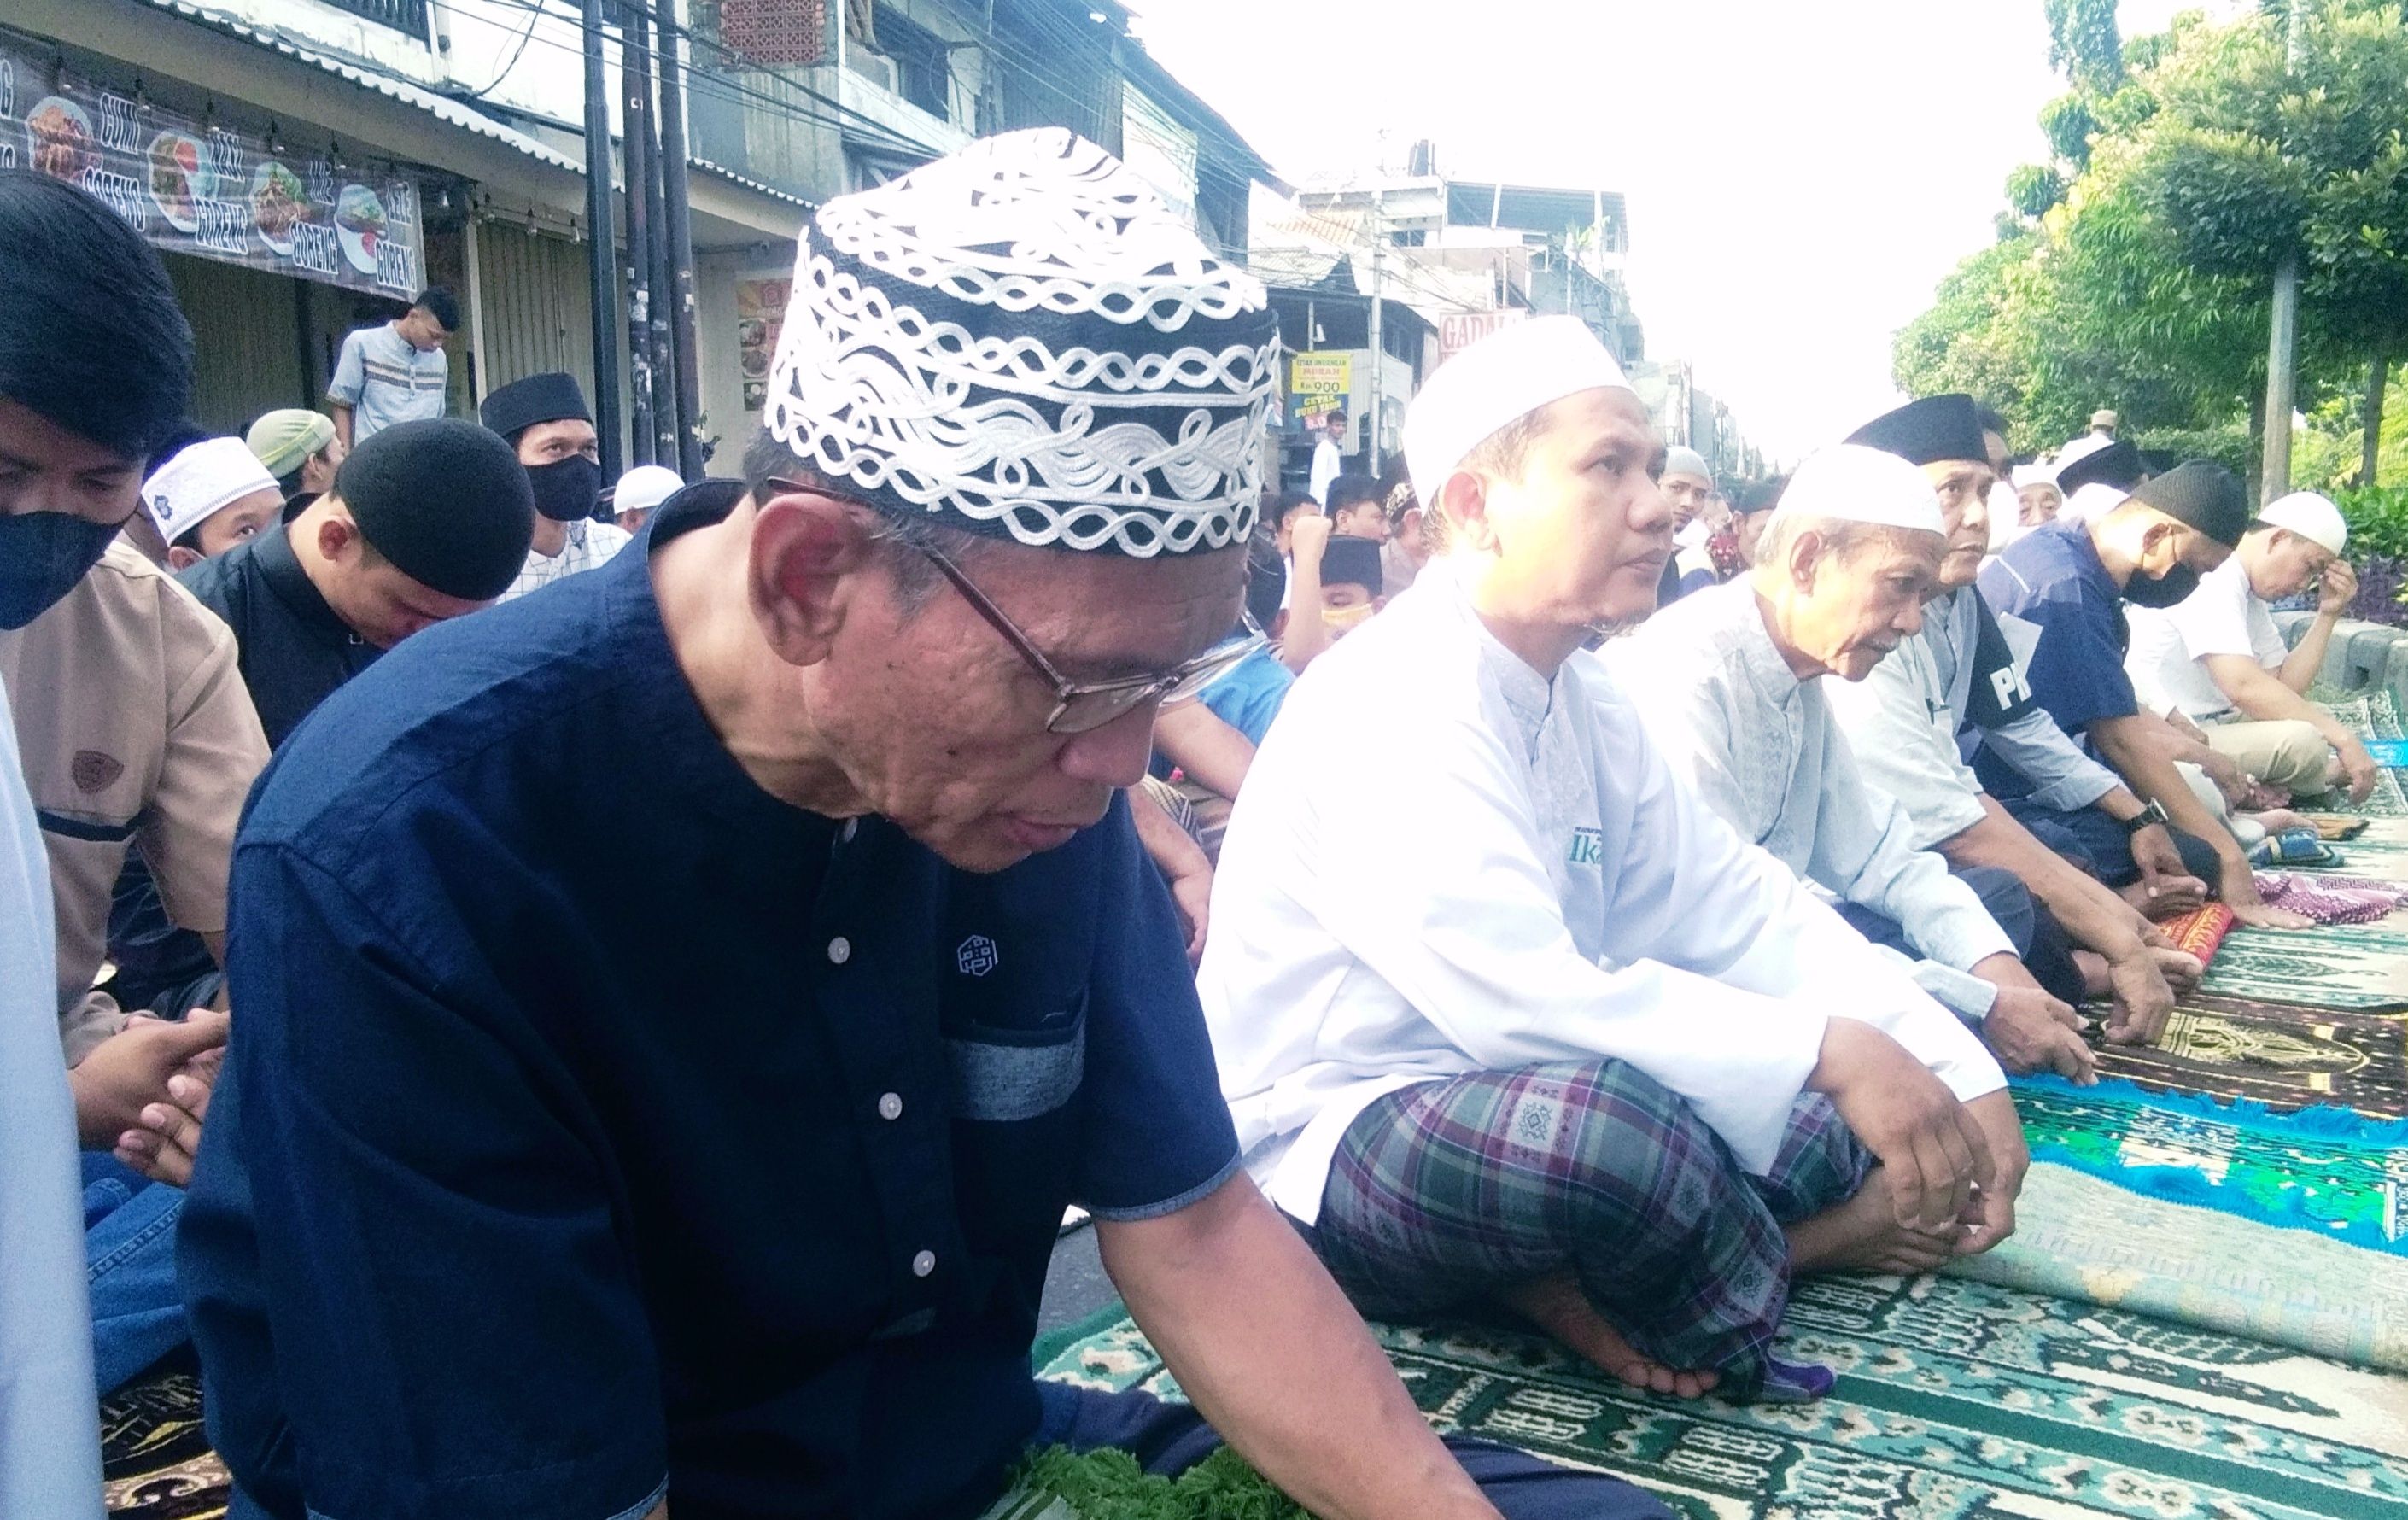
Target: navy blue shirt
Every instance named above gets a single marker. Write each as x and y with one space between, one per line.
597 1119
2052 577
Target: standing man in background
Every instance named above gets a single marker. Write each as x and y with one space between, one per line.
394 373
1328 456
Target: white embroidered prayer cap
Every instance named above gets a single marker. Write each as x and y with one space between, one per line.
2031 475
2091 502
1852 482
644 487
1022 340
201 480
1504 376
2311 516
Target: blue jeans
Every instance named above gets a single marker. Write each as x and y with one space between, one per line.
129 1242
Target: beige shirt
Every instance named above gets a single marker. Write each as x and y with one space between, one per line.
135 725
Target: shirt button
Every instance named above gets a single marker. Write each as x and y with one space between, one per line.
923 1263
891 1106
840 950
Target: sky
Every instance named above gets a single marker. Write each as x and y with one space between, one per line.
1798 175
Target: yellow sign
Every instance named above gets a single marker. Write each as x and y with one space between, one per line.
1321 374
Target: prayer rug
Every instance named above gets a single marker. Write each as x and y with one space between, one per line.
2329 898
2360 968
2084 1237
2200 931
1957 1401
155 1459
2324 1171
2369 715
2284 1058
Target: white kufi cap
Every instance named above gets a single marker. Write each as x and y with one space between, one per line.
1021 340
202 481
1853 484
1502 378
644 487
2031 475
2309 515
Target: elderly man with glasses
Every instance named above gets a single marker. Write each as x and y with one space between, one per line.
677 1007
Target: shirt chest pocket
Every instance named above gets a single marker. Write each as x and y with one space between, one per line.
1008 1069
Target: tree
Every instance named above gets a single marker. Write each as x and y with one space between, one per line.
2133 270
2251 158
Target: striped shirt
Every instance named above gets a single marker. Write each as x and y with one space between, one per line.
385 380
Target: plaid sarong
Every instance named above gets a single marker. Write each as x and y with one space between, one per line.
1445 1193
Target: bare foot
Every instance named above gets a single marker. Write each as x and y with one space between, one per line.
1864 1235
2279 820
2093 966
1555 1304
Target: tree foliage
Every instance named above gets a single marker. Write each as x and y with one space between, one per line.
2134 269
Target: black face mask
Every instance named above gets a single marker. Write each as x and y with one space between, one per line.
42 556
2161 590
567 490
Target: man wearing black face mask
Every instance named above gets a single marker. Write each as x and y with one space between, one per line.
545 418
2072 579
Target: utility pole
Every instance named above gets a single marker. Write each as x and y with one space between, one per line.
1378 239
601 251
2283 336
680 227
636 133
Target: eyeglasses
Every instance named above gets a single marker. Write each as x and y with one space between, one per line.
1081 707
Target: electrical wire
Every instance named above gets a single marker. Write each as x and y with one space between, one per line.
516 54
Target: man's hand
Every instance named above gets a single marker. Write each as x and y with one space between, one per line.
2170 886
2337 591
1192 893
1933 1156
2027 1030
128 1072
2357 768
1307 537
170 1137
1992 1216
2241 896
2230 778
2144 998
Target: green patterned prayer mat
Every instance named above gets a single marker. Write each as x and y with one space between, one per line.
2286 1057
155 1459
2373 714
2324 1171
2360 967
2082 1237
1957 1401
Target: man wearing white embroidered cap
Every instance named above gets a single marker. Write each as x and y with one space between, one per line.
837 756
1570 961
2218 658
1727 682
209 498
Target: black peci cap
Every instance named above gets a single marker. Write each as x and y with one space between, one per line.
446 501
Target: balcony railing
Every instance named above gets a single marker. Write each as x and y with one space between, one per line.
401 15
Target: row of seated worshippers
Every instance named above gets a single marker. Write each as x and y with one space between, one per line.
1565 1014
1624 1002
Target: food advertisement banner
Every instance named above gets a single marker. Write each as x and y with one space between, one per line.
760 318
197 188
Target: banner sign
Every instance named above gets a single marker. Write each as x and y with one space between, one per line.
1459 330
195 188
1319 382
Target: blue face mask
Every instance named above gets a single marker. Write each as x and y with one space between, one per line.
42 556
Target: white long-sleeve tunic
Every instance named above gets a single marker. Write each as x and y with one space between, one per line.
1761 747
1557 896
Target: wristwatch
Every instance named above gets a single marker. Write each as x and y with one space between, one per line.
2154 813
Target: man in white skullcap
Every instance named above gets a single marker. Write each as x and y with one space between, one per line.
1726 683
212 496
2037 495
638 491
1568 1046
1687 483
1952 688
2216 658
678 1006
